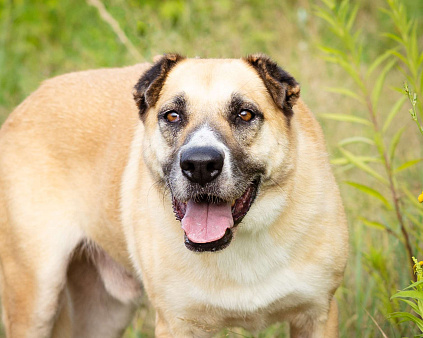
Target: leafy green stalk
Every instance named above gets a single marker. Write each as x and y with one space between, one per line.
412 296
369 86
412 97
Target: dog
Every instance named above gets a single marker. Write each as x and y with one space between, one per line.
212 192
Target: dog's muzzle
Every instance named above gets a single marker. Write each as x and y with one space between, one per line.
206 218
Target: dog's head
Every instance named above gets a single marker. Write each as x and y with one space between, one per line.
217 132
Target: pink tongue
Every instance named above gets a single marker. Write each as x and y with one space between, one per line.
206 222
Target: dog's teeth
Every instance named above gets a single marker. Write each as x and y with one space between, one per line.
233 203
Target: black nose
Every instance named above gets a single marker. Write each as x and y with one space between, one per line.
202 164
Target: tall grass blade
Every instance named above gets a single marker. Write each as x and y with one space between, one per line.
413 48
407 317
360 164
326 16
348 67
415 284
356 139
346 118
379 144
393 37
379 60
346 92
372 224
401 57
409 294
377 325
339 161
329 3
330 50
406 165
411 304
344 161
395 109
352 17
371 192
394 143
377 90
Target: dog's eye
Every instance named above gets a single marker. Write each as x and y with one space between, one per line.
246 115
172 116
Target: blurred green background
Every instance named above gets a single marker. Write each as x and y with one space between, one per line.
41 39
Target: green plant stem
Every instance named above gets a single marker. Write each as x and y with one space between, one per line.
388 169
412 97
338 18
401 222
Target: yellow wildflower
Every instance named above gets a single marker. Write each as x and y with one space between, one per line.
418 271
419 263
421 197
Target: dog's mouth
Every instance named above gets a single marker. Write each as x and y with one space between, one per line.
208 220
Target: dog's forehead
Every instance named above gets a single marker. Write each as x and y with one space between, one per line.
212 80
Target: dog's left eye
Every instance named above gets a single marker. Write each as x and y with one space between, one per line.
172 116
246 115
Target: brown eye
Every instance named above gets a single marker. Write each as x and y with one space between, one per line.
172 116
246 115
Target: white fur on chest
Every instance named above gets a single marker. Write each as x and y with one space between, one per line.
254 274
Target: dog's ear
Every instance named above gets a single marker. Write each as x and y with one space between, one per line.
146 92
283 88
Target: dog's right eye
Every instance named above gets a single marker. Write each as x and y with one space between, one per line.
172 116
246 115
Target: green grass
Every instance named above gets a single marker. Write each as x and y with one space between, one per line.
41 39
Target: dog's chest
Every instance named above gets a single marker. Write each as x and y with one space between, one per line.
257 281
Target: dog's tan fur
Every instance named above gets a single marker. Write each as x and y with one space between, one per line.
83 219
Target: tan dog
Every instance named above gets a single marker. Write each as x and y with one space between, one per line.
89 195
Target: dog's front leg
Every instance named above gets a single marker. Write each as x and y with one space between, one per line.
325 326
33 270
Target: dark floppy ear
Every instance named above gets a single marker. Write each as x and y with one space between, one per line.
283 88
146 92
